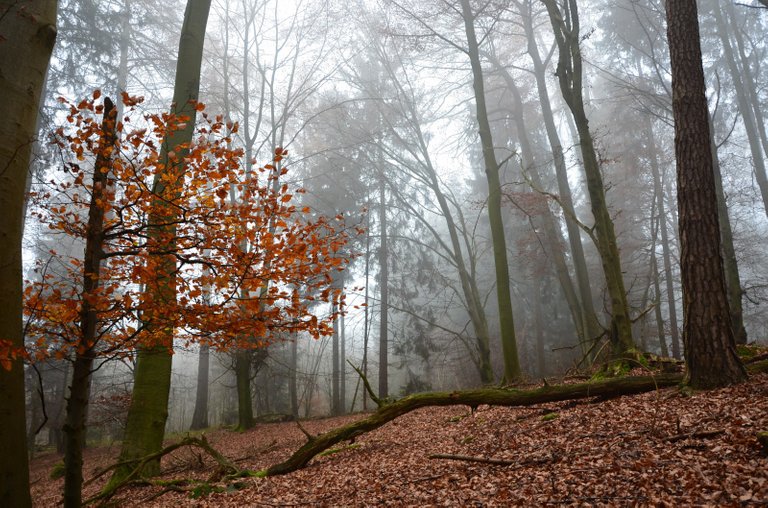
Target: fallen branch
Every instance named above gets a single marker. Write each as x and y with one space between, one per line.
495 462
702 434
225 465
491 396
472 398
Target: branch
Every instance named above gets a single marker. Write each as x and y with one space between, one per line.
368 388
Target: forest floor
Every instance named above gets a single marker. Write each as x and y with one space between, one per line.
665 448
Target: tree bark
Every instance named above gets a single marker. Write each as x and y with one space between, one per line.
730 264
28 31
383 295
710 353
503 294
745 106
147 415
473 398
243 380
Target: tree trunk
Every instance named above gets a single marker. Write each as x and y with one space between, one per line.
335 376
147 415
658 189
200 416
745 107
28 33
730 264
473 398
293 380
710 353
384 295
503 294
569 72
244 399
77 403
591 326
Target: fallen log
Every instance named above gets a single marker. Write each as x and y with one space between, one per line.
473 398
389 410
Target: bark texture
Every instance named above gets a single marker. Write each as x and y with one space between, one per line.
707 334
28 31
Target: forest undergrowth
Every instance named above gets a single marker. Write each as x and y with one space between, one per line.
663 448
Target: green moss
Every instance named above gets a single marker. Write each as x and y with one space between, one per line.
467 439
332 451
205 489
262 473
58 470
549 417
746 352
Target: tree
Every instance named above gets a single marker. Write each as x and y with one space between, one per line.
90 314
27 36
503 291
152 382
566 27
710 352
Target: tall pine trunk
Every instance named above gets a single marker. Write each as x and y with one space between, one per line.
710 352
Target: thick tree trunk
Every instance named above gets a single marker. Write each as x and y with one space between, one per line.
147 415
569 71
707 333
28 31
200 416
503 293
244 399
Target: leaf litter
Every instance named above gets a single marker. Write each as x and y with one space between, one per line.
664 448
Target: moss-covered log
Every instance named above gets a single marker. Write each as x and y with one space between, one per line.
492 396
473 398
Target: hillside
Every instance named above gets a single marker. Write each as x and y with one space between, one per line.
662 448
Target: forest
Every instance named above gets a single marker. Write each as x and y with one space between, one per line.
473 252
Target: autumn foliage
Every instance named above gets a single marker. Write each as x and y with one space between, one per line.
250 261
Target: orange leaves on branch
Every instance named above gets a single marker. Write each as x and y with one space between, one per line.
238 262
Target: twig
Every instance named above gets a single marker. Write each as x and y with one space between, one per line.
689 435
368 388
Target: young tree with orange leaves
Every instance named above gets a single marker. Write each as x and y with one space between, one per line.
226 295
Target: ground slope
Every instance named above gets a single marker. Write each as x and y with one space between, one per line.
662 448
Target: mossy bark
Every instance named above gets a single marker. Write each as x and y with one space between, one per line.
491 396
503 291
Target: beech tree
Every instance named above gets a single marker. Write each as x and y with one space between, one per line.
152 380
710 352
27 36
91 313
